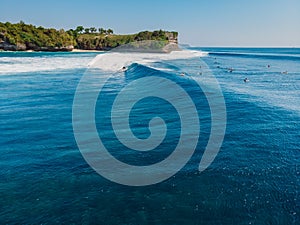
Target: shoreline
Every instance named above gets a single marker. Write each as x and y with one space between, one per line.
74 50
83 50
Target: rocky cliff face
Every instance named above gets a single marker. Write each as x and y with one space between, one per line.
172 37
8 47
22 47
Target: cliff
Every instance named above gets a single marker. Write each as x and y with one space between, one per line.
21 37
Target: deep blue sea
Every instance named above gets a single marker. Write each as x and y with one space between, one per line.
254 179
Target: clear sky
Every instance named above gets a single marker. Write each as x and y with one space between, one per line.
199 22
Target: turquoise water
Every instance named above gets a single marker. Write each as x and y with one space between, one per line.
253 180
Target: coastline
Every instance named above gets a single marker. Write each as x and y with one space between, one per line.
74 50
83 50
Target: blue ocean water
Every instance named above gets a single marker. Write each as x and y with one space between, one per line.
253 180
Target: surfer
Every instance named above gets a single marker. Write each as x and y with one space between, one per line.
246 80
285 72
124 68
182 74
230 70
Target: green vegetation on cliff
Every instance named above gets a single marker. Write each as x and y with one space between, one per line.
21 36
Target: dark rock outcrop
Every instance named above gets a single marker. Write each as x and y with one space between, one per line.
22 47
9 47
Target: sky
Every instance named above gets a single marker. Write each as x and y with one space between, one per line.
252 23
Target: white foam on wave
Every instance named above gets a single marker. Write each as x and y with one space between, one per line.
114 61
110 61
12 65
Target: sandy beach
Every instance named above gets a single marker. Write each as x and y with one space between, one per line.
81 50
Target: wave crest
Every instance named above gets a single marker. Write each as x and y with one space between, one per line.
113 61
